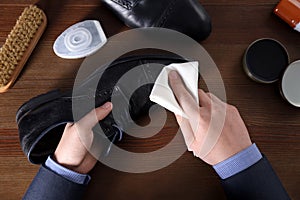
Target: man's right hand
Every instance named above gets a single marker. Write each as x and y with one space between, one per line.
234 136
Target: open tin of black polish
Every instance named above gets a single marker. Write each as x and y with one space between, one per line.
265 60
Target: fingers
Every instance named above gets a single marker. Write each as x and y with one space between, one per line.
186 130
93 117
215 99
204 99
184 98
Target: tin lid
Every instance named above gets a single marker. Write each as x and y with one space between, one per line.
290 84
265 60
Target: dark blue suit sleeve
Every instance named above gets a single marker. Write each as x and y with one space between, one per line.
47 185
258 182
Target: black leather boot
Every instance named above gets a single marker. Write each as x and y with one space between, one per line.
41 120
185 16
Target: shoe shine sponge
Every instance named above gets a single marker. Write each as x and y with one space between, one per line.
19 44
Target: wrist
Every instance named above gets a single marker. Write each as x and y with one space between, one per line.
67 165
238 162
66 173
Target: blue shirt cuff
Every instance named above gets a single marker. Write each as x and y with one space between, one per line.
238 162
75 177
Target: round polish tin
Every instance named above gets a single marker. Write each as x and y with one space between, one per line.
265 60
290 84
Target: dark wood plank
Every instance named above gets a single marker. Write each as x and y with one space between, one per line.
272 123
16 174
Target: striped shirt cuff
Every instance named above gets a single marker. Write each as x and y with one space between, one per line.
75 177
238 162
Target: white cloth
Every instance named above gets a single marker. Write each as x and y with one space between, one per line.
162 93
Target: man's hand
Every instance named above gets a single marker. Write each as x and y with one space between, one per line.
71 151
234 136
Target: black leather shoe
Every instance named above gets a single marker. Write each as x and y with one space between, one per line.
41 120
185 16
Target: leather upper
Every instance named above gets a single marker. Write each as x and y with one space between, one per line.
41 120
185 16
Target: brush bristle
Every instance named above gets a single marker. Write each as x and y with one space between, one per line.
18 41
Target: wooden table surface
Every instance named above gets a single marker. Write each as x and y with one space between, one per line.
273 124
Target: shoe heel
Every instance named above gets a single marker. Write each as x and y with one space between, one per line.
36 102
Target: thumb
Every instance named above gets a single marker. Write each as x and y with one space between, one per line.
93 117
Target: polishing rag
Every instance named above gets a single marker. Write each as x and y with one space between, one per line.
162 93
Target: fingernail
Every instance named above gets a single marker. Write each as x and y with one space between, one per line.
106 105
173 75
